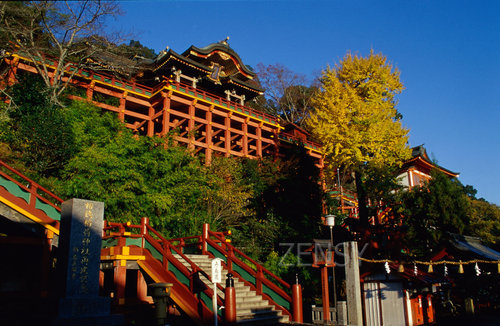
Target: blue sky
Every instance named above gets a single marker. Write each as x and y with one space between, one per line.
448 53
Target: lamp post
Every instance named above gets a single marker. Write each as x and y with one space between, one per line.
330 221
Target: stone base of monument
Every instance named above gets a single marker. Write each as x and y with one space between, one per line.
87 311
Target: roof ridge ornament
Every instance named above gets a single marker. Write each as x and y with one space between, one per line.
224 41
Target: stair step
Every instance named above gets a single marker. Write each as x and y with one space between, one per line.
255 304
251 308
253 311
259 319
248 298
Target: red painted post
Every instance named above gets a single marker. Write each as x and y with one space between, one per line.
258 279
122 241
33 192
144 230
230 301
297 303
166 249
142 288
101 279
204 237
11 79
120 279
326 298
229 263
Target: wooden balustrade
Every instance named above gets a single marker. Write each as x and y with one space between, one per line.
35 190
165 247
263 277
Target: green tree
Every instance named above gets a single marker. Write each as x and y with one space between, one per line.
356 120
433 211
485 222
134 176
229 196
38 131
134 48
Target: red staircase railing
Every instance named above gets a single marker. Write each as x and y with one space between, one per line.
258 278
20 192
163 250
253 274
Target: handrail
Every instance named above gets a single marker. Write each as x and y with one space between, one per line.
139 88
165 248
259 266
260 279
313 145
341 190
32 188
229 103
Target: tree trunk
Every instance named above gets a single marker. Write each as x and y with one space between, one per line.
362 197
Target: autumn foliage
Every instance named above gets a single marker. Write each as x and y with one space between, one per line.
355 115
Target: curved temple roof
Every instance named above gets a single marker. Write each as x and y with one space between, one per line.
420 158
225 52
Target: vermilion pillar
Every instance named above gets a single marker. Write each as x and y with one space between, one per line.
120 279
297 303
324 291
230 301
204 237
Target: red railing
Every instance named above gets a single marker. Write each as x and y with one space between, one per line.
149 91
100 77
292 138
165 247
263 277
216 240
222 101
36 191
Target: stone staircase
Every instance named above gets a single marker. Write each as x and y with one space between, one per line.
251 308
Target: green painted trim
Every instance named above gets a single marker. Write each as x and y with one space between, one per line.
133 242
216 252
14 189
178 274
156 254
209 303
206 300
108 243
243 273
276 297
48 210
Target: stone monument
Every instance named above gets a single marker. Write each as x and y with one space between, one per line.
78 263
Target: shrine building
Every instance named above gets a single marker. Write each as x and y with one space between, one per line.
199 96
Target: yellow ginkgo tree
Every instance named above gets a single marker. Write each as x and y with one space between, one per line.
356 120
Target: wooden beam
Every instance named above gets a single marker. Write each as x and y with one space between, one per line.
151 124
